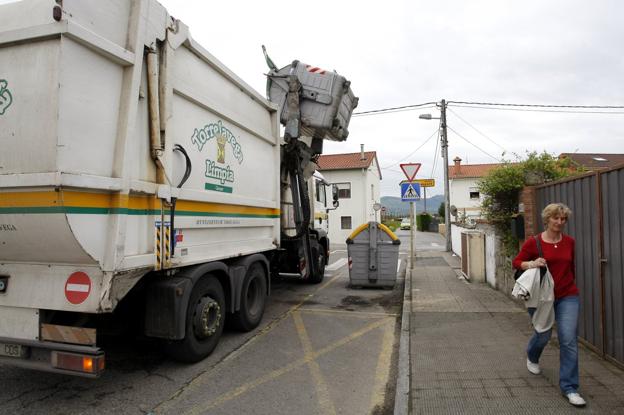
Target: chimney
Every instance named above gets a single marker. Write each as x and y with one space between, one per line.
457 161
362 156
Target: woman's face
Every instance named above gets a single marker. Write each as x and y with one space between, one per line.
556 223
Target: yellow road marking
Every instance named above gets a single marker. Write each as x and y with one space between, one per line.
322 391
275 323
359 314
220 400
197 381
382 372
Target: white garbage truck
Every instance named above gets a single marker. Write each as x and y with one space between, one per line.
141 179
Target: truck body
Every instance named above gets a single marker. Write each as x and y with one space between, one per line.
138 172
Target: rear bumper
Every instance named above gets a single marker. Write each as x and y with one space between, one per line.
43 356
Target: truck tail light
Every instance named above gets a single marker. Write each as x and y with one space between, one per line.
78 362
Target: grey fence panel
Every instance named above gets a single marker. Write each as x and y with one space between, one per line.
612 184
587 235
580 196
602 296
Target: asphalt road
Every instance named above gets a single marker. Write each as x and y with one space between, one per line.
423 241
321 349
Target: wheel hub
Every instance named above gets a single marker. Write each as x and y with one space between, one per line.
207 317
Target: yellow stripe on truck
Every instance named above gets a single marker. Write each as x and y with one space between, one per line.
68 201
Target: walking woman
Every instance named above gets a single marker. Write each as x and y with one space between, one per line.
558 255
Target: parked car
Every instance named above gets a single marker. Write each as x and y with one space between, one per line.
405 223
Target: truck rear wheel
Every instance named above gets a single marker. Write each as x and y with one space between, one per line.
204 322
253 299
319 254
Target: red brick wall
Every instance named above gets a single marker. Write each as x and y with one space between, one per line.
532 219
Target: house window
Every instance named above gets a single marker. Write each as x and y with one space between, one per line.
344 190
345 222
474 195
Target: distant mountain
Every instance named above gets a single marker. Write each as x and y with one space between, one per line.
395 207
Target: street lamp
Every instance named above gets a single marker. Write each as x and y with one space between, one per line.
444 141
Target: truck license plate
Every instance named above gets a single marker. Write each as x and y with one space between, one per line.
13 350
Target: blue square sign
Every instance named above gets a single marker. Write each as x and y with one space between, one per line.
410 191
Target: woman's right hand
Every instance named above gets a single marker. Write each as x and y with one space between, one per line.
536 263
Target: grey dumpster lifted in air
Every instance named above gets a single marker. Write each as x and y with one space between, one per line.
373 251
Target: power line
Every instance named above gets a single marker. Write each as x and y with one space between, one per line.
391 111
569 109
474 145
538 105
538 110
435 157
395 109
392 170
475 128
410 154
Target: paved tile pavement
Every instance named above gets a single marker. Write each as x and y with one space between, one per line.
466 352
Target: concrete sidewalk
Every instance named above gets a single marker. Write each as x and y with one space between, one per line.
467 352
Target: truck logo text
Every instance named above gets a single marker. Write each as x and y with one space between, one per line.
219 173
222 135
6 99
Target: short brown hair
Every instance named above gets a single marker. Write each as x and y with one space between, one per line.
555 209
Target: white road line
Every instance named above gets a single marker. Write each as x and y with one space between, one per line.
337 250
338 264
435 244
398 266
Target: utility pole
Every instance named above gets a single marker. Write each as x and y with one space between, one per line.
447 198
412 225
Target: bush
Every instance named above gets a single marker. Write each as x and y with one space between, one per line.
501 189
422 222
392 224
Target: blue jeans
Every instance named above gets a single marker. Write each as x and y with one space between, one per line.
566 316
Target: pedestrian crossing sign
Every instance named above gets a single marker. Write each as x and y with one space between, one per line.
410 191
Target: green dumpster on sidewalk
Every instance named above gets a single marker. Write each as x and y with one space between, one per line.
373 251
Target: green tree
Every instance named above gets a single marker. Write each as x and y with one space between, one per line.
441 212
502 185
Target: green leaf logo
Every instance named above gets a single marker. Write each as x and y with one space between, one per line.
6 99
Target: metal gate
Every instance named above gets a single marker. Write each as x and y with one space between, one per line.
597 224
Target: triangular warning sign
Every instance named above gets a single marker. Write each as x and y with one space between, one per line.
410 170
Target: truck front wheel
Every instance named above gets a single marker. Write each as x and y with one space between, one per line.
253 299
204 322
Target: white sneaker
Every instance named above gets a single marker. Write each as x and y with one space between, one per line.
575 399
533 367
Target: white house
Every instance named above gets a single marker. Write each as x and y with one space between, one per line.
357 176
463 188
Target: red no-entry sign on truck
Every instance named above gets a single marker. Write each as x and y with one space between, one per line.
77 287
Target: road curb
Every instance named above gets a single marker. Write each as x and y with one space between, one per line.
402 396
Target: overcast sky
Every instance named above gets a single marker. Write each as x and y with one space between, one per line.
397 53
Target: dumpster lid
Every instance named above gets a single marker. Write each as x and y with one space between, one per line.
365 226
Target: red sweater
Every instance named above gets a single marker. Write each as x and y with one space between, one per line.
559 258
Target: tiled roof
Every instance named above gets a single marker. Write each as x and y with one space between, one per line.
594 161
467 171
347 161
